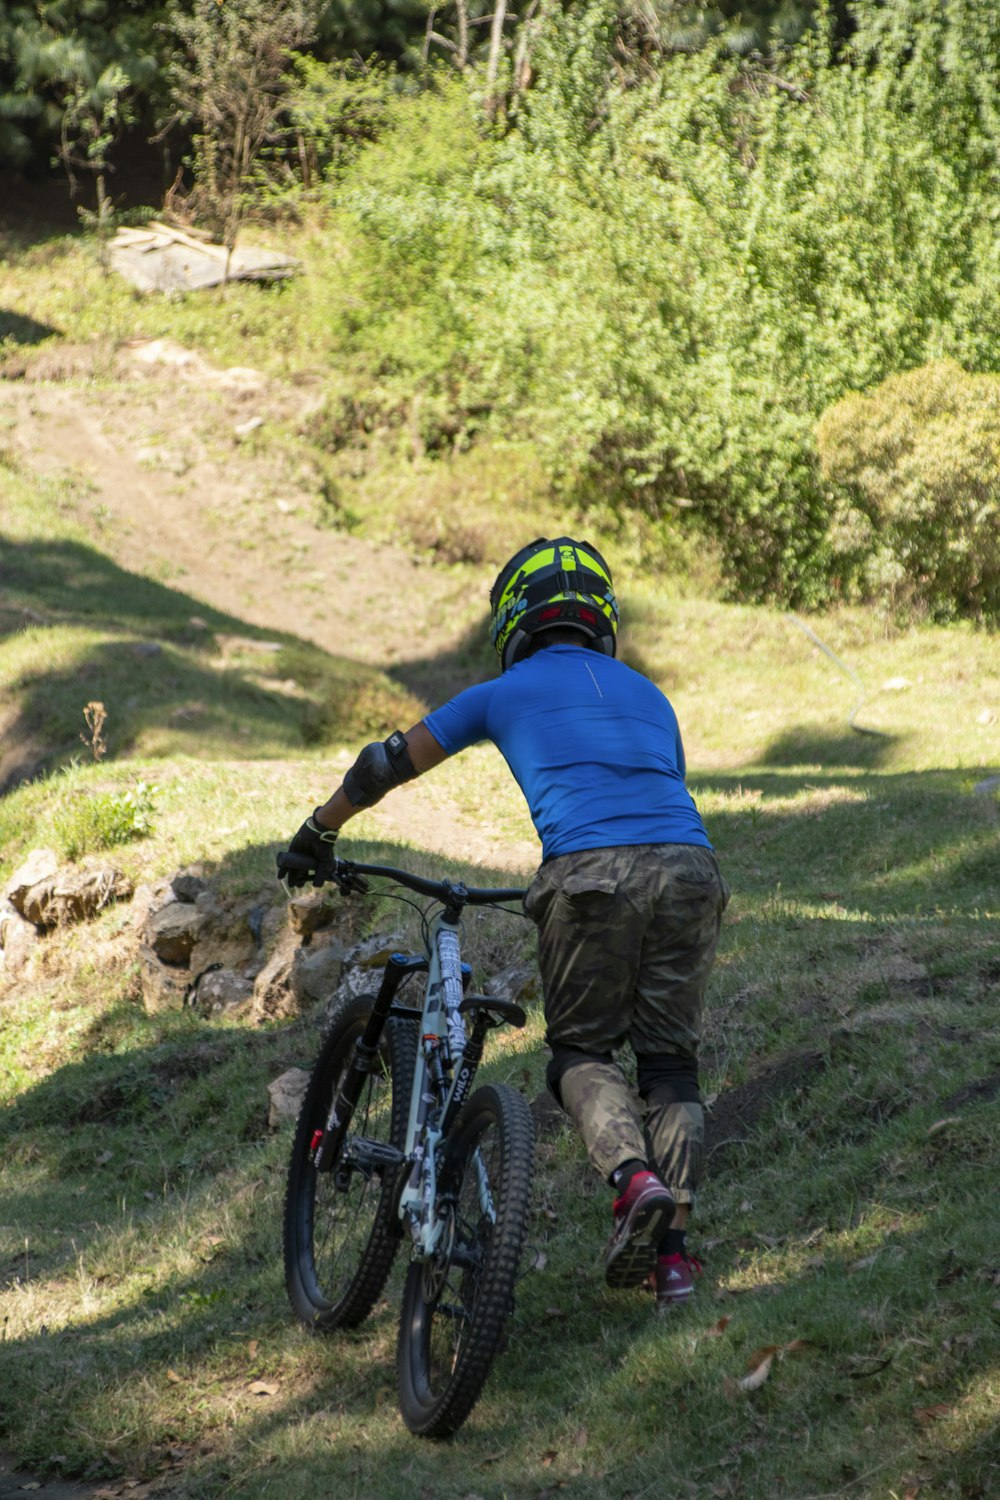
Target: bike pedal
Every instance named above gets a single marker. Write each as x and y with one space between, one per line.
493 1010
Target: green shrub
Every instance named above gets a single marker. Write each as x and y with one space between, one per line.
92 821
916 468
660 279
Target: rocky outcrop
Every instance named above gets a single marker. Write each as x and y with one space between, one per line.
218 989
286 1094
172 932
519 982
39 868
310 913
18 938
198 949
49 895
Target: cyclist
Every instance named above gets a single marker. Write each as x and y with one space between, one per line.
629 897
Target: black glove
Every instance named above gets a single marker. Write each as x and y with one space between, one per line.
313 843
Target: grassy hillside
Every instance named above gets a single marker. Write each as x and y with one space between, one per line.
852 1055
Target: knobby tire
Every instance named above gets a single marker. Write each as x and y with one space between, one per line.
456 1307
340 1241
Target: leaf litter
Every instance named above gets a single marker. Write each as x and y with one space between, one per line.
760 1364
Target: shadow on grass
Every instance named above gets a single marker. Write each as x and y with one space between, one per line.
173 666
803 747
887 844
436 678
153 1161
22 330
472 659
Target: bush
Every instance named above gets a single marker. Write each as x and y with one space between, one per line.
916 468
659 280
102 820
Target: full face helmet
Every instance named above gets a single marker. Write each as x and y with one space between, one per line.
552 583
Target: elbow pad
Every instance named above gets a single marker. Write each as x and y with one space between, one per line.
378 768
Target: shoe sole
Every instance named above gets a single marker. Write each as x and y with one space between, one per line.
631 1253
667 1305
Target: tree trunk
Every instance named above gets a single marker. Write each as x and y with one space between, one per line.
522 54
493 61
463 34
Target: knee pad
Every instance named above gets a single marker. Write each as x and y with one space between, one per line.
668 1078
564 1058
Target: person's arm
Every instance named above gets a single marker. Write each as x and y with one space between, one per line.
424 753
379 768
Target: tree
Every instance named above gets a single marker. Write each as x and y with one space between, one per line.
73 76
230 82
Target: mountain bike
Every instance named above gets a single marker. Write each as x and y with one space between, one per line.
392 1145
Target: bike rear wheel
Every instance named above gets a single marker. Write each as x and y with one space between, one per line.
339 1235
456 1305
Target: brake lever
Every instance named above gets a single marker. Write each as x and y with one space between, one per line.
348 880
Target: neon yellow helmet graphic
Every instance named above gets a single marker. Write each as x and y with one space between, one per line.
552 583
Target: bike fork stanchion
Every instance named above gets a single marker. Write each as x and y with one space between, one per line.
327 1143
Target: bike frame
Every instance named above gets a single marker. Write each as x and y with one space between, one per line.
447 1060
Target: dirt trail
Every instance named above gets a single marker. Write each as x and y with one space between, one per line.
174 477
180 482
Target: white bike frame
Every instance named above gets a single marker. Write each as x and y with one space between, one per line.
441 1083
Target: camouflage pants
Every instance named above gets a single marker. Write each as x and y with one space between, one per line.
626 942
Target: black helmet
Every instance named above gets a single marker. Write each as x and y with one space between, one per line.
552 583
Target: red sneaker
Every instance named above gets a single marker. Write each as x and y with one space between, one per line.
673 1280
642 1214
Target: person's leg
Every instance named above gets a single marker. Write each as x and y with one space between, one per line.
676 961
592 1090
675 1122
589 939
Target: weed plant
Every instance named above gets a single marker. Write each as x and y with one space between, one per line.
104 820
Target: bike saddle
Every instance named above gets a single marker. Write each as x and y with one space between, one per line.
495 1012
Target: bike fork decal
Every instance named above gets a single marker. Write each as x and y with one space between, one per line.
483 1183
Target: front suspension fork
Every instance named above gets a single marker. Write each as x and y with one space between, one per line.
327 1144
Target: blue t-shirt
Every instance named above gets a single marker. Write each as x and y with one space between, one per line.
594 747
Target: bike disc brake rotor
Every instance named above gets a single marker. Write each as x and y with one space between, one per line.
437 1266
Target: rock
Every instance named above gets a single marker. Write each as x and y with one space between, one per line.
268 924
189 884
80 894
354 982
163 987
41 865
173 930
71 894
18 938
361 964
372 952
144 899
272 990
220 990
286 1094
213 909
519 982
310 912
988 787
316 973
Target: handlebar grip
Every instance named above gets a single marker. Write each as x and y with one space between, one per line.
288 861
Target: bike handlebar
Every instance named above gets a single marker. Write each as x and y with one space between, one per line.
349 876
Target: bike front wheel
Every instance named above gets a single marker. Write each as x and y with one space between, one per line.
456 1304
340 1237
